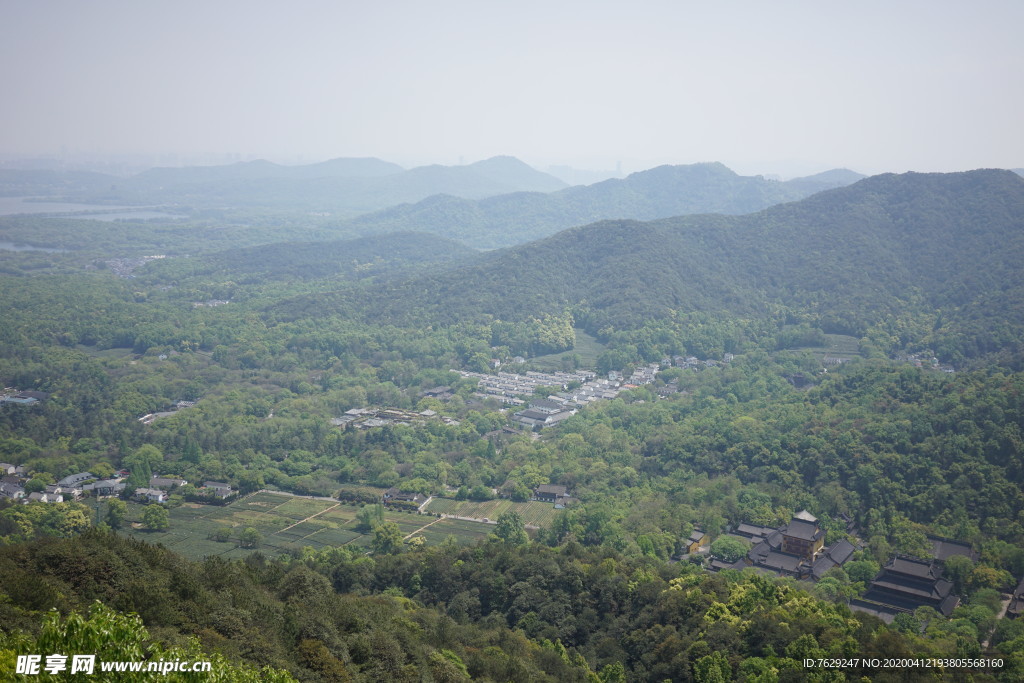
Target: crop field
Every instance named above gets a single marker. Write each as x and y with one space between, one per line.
463 531
532 512
843 344
445 506
587 348
286 524
836 345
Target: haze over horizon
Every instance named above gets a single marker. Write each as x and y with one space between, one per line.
790 89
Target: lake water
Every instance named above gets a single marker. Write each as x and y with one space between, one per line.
129 216
10 206
11 246
13 205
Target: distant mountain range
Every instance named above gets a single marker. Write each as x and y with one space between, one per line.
510 219
346 187
941 248
349 185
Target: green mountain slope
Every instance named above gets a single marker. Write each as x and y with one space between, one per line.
363 257
942 246
511 219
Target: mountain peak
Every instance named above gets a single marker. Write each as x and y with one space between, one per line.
501 160
512 172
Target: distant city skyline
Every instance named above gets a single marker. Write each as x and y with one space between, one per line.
788 88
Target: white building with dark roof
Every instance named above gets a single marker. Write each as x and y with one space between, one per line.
12 491
218 488
75 479
151 495
106 487
165 482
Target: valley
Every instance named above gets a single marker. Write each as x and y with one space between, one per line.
600 446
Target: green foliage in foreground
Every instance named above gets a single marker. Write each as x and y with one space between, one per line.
495 611
115 637
285 616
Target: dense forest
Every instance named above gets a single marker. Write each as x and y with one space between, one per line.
855 355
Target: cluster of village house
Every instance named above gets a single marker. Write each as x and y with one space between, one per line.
12 396
509 389
75 486
538 413
926 359
364 418
126 267
797 550
150 417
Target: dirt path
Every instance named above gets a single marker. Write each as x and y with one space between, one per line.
422 528
1007 599
481 520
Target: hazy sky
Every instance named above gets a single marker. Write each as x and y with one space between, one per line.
761 86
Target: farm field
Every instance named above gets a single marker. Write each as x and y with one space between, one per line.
533 512
286 524
836 345
587 348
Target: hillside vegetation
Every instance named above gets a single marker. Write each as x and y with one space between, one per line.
510 219
938 252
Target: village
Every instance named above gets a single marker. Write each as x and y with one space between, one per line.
13 396
366 418
561 394
18 484
795 550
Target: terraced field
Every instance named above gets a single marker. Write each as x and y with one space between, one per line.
286 524
836 346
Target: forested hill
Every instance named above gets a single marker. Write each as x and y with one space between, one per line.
362 257
507 220
939 250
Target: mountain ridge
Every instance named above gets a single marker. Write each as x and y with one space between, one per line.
660 192
345 186
942 247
